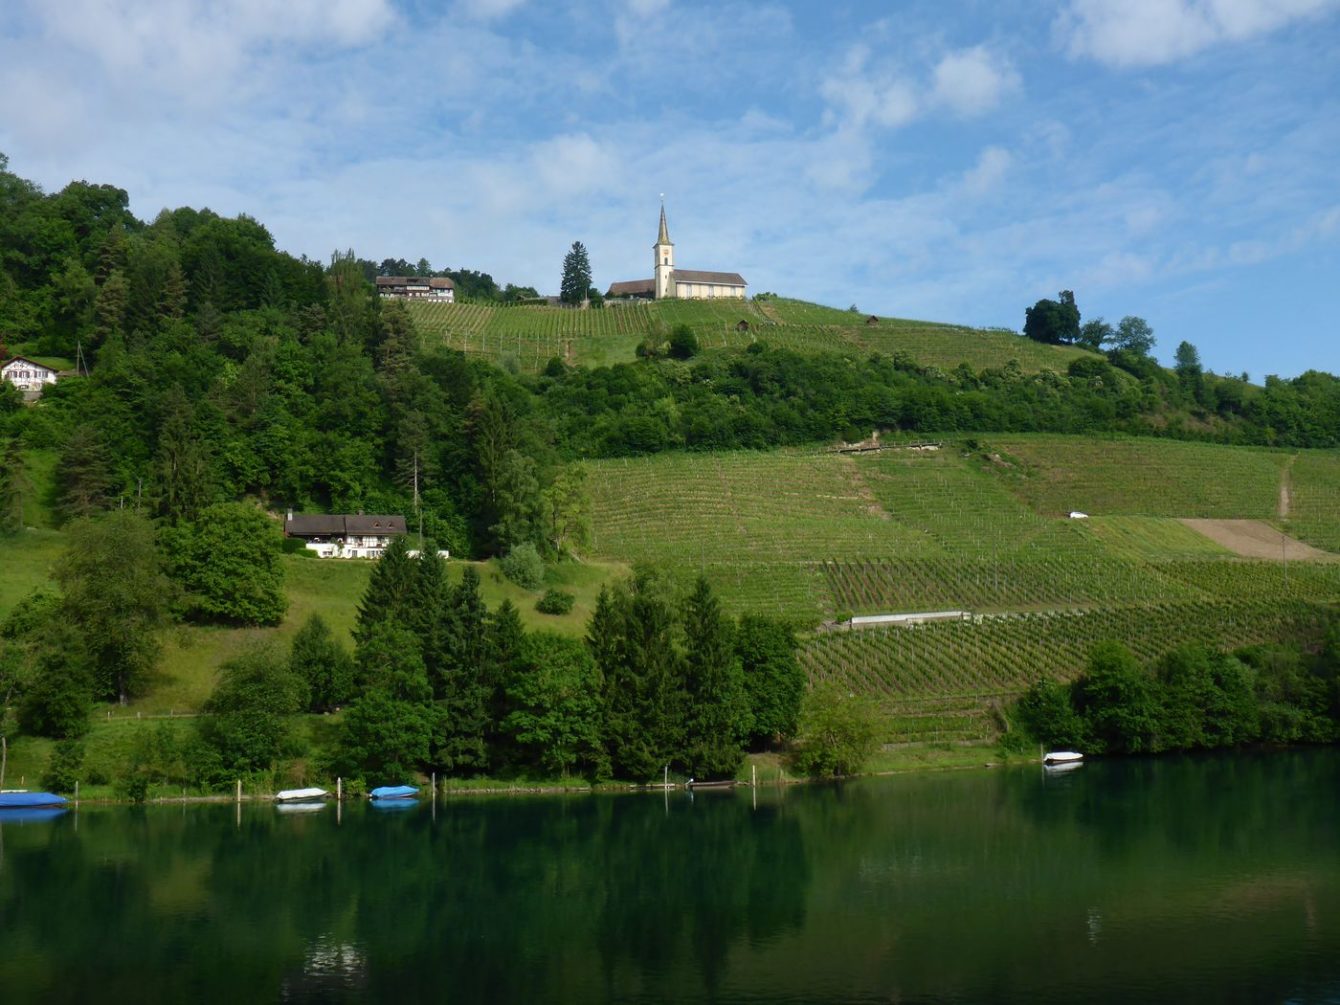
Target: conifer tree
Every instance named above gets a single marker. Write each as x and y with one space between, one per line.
576 275
322 663
387 595
460 746
717 714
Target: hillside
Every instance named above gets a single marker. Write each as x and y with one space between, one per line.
528 337
982 526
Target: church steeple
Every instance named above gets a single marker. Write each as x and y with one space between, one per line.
663 252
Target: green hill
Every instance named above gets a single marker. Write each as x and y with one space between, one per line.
528 337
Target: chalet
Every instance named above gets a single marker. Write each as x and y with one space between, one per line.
28 376
417 288
682 284
343 535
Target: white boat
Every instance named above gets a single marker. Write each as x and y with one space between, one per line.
1061 757
300 795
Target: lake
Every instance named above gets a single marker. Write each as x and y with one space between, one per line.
1177 879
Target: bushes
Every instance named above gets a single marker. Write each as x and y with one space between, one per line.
555 602
524 566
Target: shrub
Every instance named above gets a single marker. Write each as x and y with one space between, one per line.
524 566
837 732
555 602
64 767
683 343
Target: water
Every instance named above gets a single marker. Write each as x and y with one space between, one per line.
1208 879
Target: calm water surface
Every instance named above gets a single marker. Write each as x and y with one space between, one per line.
1212 879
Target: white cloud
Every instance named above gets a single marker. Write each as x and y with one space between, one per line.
1126 33
990 170
488 10
973 81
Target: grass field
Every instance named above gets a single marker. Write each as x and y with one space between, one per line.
528 337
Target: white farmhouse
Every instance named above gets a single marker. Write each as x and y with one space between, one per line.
338 535
28 376
683 284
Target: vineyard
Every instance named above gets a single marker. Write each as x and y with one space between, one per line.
941 681
527 337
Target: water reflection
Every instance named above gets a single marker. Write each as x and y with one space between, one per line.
1202 878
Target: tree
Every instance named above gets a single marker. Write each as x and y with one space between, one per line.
85 480
1055 322
467 685
228 563
117 597
1049 718
565 511
1188 369
683 343
554 699
387 595
57 701
382 740
250 708
14 484
1133 336
837 732
323 665
1117 700
717 713
774 680
576 275
185 474
1095 334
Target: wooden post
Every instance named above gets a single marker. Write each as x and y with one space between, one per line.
434 786
753 775
76 792
239 792
339 790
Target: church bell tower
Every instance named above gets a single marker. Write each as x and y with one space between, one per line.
665 260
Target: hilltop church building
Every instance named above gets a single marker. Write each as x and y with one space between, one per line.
683 284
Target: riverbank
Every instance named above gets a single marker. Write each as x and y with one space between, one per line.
763 770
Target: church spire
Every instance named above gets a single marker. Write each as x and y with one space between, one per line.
664 236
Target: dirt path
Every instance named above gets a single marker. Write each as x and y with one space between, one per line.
1286 480
1256 539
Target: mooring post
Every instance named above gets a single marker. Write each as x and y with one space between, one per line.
434 786
76 792
753 775
239 792
339 789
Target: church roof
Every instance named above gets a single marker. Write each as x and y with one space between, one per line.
632 288
664 236
717 278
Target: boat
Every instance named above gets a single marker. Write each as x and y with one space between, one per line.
292 809
300 795
394 792
1053 757
22 800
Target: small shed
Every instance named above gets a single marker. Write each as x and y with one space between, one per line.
742 326
872 320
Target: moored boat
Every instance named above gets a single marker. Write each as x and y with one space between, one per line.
20 800
301 795
1053 757
394 792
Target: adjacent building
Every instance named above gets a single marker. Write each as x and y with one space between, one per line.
682 284
417 288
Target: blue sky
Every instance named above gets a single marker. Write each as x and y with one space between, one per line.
1173 159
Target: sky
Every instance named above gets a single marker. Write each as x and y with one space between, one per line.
952 160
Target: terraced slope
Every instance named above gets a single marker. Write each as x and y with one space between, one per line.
528 337
823 535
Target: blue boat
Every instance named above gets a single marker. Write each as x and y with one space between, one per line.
29 800
394 792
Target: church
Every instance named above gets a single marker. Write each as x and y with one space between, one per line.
683 284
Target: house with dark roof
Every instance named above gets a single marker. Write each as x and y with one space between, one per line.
417 288
683 284
344 535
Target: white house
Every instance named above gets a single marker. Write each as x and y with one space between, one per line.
338 535
417 288
683 284
27 376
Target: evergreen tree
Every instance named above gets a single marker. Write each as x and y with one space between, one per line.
466 697
85 480
388 593
388 660
185 472
322 664
13 484
507 639
774 680
429 614
554 717
576 275
717 713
